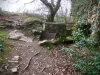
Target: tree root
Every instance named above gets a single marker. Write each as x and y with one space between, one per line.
27 66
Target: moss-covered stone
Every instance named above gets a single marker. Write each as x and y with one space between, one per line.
9 21
54 27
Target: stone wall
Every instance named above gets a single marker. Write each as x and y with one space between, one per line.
54 27
56 30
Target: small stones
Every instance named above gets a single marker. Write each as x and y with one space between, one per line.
15 62
1 70
14 70
32 51
48 66
15 58
63 70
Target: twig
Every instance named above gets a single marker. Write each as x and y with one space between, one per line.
14 2
43 69
24 5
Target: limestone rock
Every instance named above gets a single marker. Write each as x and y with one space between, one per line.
15 35
43 42
14 70
26 39
15 58
13 61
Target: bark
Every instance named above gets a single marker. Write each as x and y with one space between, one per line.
52 9
52 2
95 18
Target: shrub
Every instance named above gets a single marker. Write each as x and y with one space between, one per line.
86 56
1 12
30 19
89 65
86 62
31 22
81 38
4 35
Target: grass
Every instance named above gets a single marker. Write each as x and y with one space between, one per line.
4 54
4 47
48 46
3 35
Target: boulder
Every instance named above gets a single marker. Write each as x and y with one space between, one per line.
15 35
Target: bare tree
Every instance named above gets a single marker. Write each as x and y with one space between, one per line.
52 7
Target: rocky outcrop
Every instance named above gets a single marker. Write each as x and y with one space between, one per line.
16 35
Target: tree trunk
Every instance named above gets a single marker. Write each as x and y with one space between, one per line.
52 9
50 18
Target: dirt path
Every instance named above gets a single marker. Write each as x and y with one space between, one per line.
35 60
43 62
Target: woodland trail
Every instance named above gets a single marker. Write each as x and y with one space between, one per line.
35 60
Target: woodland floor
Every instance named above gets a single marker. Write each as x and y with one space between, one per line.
35 60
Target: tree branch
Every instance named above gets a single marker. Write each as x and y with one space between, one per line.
48 5
52 2
57 6
14 2
25 4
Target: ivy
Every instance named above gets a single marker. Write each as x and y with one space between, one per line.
87 55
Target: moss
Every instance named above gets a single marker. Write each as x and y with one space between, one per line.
4 35
31 23
31 20
4 47
2 12
47 46
69 32
1 24
9 21
4 54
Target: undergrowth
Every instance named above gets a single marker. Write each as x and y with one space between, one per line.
3 47
2 13
86 56
86 62
31 23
